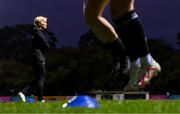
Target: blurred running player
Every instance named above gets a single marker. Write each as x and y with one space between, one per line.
127 37
130 29
93 10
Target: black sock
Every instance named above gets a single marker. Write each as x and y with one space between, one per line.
119 53
118 47
130 30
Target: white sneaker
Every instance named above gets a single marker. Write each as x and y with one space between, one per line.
151 71
42 101
22 96
134 78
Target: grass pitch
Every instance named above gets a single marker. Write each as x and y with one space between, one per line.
105 106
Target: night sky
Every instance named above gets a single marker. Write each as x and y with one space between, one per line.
161 18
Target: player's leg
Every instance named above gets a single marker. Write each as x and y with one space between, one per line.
25 90
93 10
121 13
40 79
128 24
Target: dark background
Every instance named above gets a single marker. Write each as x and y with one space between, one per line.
161 18
80 63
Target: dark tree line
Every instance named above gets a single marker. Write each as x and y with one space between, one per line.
77 70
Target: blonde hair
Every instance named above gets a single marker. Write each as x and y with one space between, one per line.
39 19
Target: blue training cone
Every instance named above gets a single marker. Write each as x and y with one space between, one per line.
81 101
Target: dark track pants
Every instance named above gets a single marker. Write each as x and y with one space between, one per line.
39 79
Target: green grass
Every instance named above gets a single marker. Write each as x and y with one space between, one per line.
106 106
